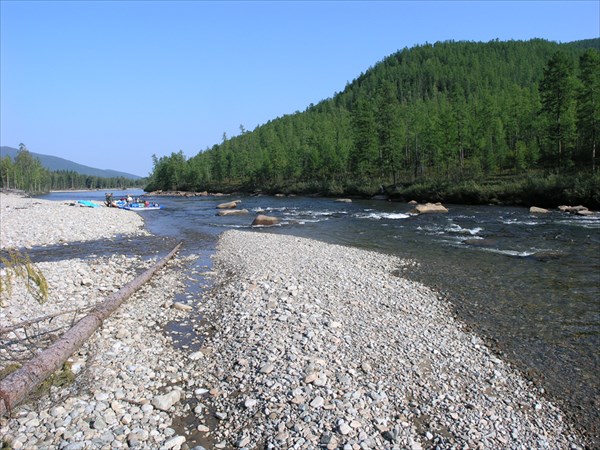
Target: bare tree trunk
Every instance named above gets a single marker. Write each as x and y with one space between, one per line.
15 387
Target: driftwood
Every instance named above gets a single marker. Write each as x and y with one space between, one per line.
15 387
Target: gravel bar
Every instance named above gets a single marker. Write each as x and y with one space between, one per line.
28 222
125 366
324 346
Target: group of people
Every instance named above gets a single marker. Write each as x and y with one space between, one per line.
110 201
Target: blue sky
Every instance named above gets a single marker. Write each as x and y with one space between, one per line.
110 83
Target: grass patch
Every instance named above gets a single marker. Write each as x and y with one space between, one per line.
62 377
9 369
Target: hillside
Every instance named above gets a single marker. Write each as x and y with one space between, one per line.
436 115
54 163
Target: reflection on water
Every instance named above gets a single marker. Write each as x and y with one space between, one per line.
531 283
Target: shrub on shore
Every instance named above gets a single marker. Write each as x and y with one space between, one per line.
537 188
546 191
17 266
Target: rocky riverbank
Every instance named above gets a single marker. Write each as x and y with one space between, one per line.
308 346
123 367
28 222
324 346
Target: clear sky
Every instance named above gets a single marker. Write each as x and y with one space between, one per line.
110 83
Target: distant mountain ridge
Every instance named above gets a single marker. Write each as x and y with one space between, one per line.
54 163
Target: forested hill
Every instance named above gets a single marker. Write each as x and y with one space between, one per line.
54 163
36 173
436 115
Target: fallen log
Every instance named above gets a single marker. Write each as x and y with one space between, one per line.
15 387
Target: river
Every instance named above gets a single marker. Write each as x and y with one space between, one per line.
528 283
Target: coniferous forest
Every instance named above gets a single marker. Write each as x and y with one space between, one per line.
26 173
471 122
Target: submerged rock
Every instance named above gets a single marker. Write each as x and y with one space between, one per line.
480 242
546 255
233 212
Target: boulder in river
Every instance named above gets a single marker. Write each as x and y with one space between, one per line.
429 208
261 219
344 200
536 210
585 212
579 209
229 205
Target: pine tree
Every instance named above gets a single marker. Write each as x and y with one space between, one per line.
388 132
588 105
557 92
364 155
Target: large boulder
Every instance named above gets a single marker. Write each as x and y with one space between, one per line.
573 209
261 219
229 205
536 210
585 212
233 212
429 208
344 200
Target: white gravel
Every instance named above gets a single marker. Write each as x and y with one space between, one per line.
321 346
124 365
27 222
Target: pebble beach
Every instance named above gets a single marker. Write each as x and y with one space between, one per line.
307 346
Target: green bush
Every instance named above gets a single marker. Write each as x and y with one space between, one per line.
537 189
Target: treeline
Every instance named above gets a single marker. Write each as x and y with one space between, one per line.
26 173
446 113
